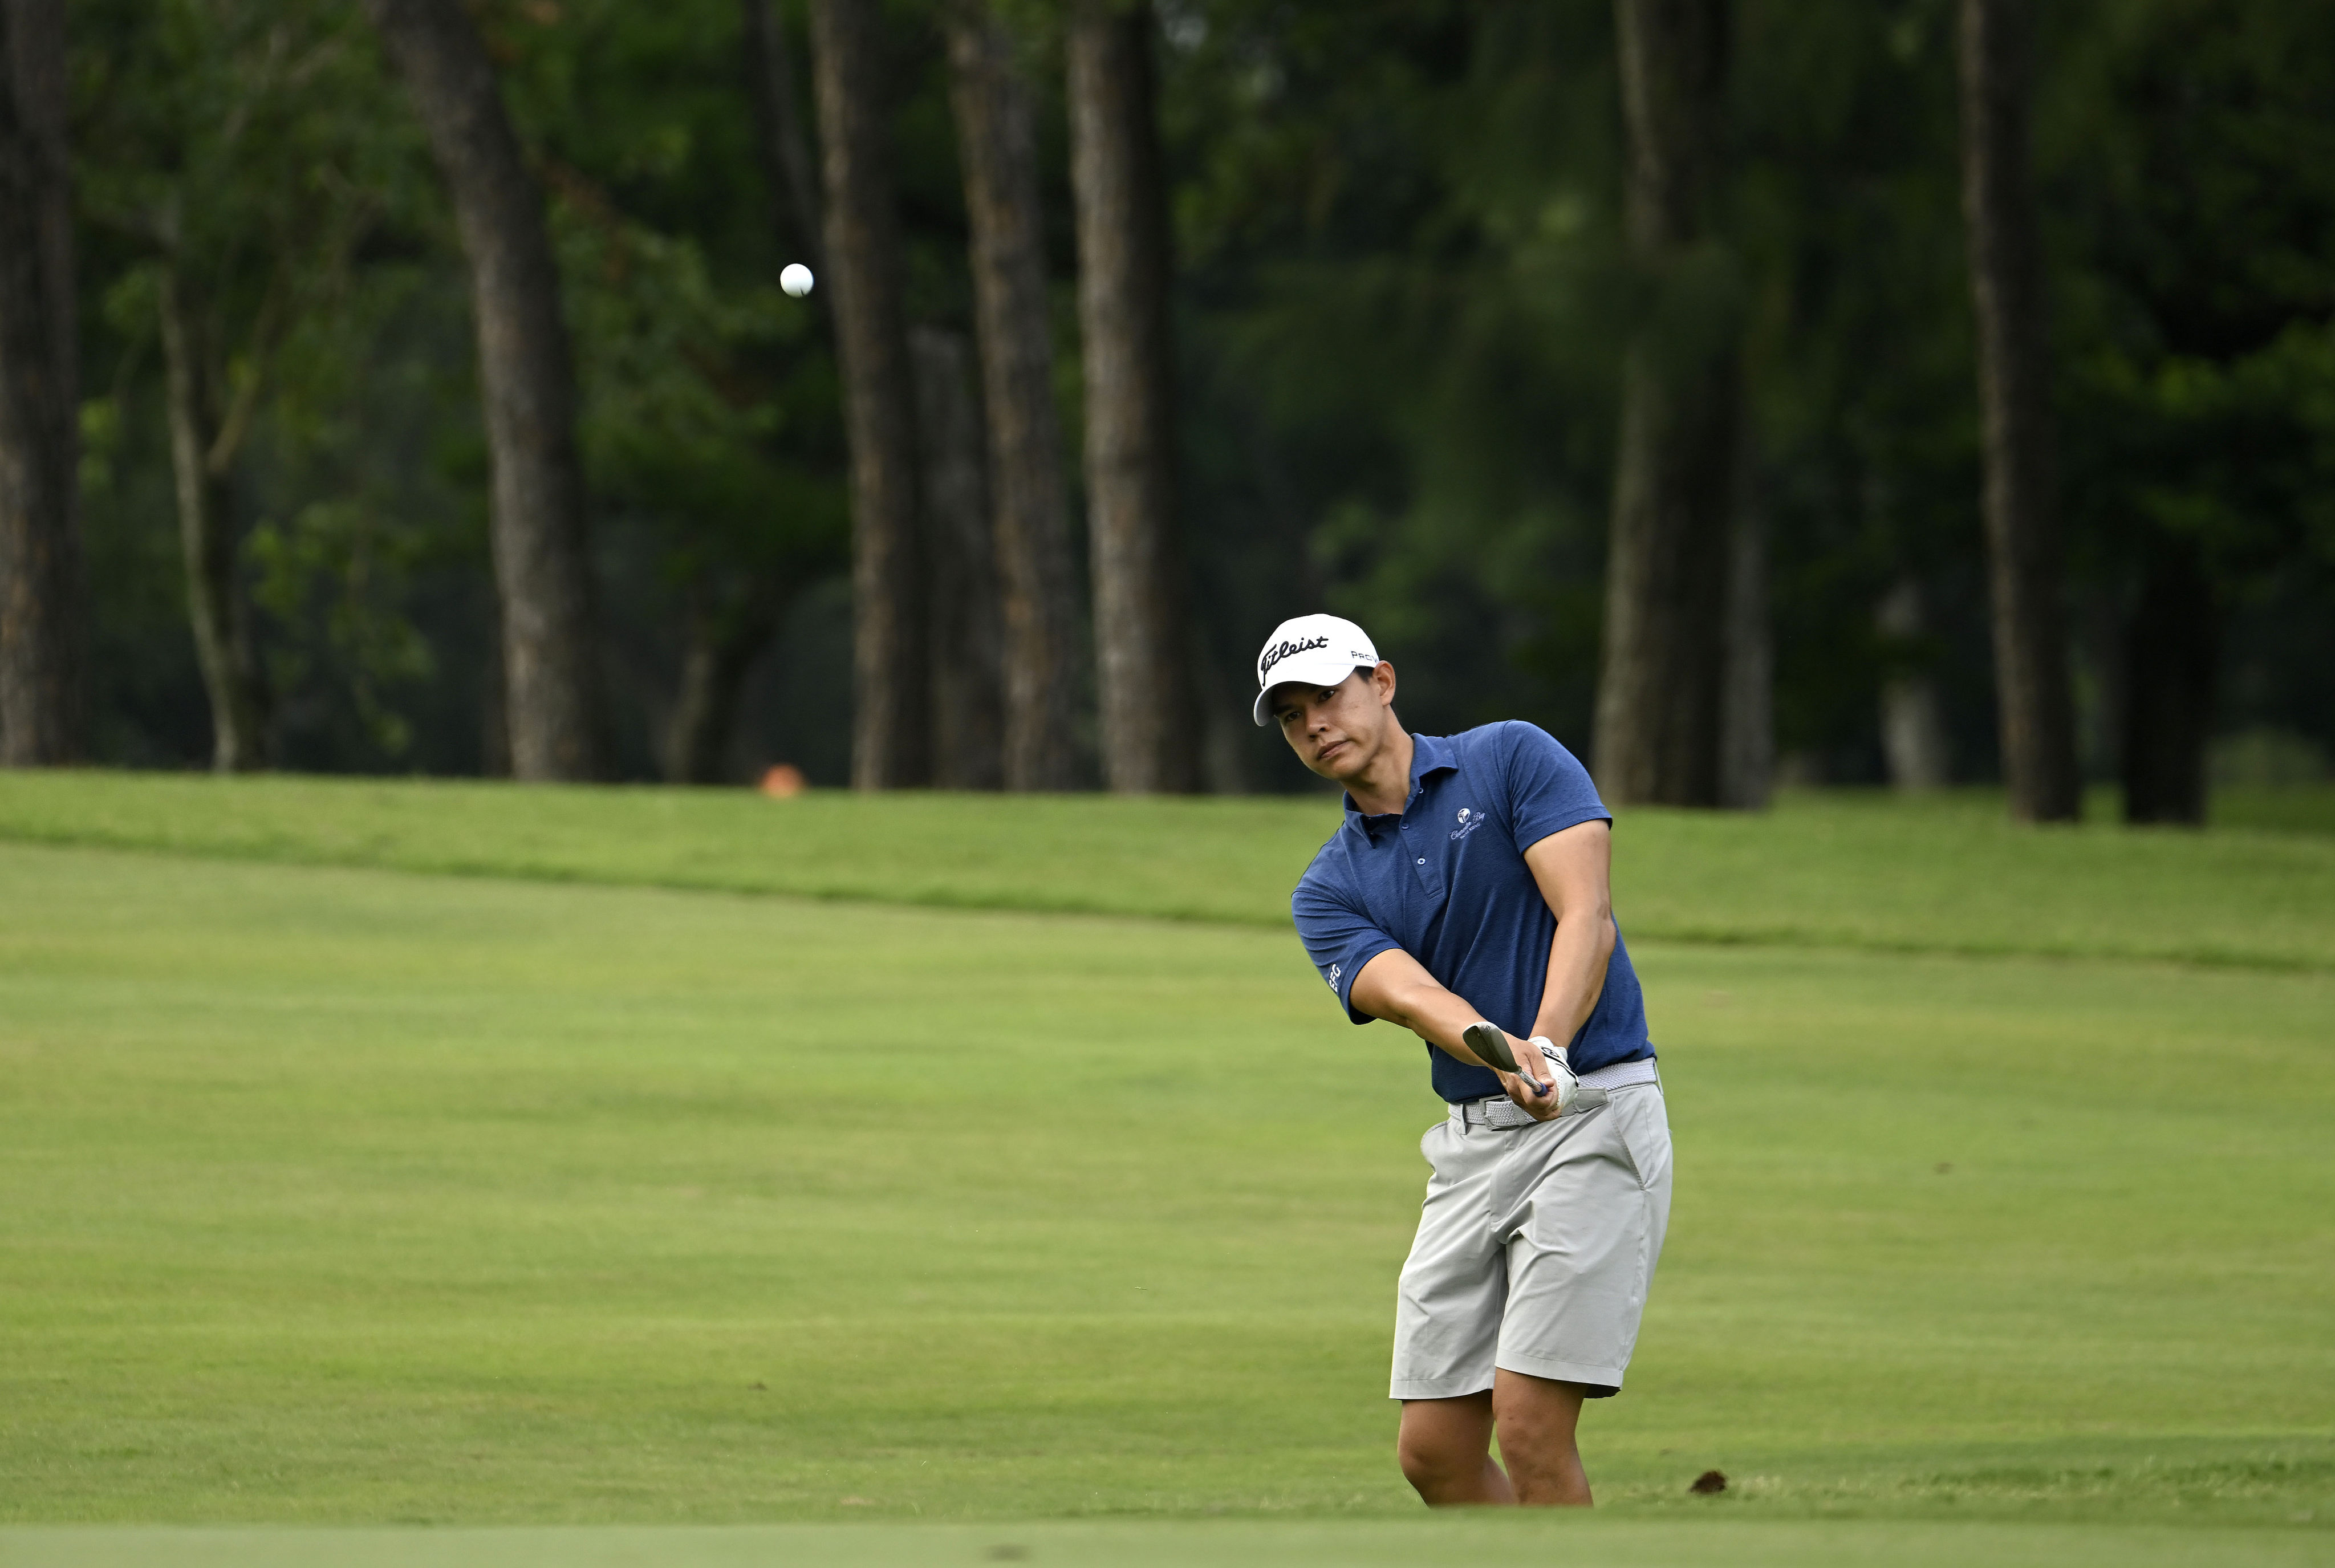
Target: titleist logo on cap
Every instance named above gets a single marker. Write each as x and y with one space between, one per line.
1304 651
1280 651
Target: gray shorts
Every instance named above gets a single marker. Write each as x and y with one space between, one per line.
1535 1248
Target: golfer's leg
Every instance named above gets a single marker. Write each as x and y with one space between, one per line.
1581 1254
1446 1449
1447 1325
1537 1417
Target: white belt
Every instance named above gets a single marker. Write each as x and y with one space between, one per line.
1621 1073
1501 1113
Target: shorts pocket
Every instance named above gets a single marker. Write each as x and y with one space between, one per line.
1430 1141
1642 1123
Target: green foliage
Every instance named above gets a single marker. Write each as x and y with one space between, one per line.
1401 224
348 1197
249 141
1402 295
710 422
341 549
677 429
2196 167
1864 415
265 149
2187 150
260 153
1399 220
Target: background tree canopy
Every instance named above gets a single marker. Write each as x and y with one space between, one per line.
1402 294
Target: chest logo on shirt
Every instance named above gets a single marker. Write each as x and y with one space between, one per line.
1470 820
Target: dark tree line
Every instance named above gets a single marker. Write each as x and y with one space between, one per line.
41 595
1619 340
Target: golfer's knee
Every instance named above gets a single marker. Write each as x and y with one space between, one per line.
1429 1465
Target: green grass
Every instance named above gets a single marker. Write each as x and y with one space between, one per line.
2278 809
1860 871
1438 1543
342 1195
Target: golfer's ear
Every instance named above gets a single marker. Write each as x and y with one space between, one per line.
1383 678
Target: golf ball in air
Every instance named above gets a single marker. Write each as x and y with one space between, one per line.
796 279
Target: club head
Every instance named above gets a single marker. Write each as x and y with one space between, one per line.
1489 1045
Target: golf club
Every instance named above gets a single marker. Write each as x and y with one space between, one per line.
1491 1045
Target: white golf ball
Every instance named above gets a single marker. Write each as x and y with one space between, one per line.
795 279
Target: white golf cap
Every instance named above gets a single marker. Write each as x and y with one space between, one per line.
1310 651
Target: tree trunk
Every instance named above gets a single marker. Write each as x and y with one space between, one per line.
43 592
1747 727
494 699
218 610
2097 642
968 637
891 739
2030 643
1912 727
527 381
785 151
2172 659
997 138
1149 734
724 639
1662 682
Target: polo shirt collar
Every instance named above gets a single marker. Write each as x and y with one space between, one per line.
1428 754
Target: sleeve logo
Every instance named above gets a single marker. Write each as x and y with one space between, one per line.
1336 969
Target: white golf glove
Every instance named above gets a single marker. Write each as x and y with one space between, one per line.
1568 1087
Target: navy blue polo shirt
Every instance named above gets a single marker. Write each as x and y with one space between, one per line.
1446 881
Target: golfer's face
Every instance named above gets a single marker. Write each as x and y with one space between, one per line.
1334 729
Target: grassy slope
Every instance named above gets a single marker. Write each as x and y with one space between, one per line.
1840 870
339 1195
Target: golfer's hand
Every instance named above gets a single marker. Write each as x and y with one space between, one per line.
1537 1096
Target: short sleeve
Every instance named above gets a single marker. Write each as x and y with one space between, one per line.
1548 789
1339 938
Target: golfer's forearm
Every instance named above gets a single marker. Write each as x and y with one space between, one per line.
1437 1016
1577 956
1573 870
1396 987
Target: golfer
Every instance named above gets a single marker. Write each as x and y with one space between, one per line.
1468 884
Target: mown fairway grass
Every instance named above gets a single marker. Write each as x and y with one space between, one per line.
1838 870
340 1194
